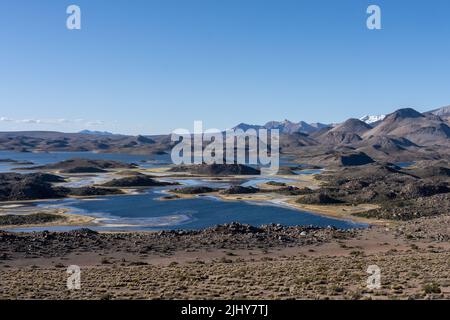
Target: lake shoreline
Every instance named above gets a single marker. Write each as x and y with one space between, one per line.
267 198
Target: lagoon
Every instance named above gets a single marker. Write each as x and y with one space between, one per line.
145 212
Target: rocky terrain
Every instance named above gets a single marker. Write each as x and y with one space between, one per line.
35 218
231 236
409 206
231 261
217 169
34 186
240 190
403 194
194 190
83 166
137 181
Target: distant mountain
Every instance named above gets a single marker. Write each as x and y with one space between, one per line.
410 124
404 135
352 126
290 127
444 111
345 133
319 125
144 140
295 140
41 141
373 119
97 133
245 127
285 127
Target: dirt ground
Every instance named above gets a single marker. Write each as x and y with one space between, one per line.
413 257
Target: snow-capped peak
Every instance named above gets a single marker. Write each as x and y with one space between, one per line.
372 119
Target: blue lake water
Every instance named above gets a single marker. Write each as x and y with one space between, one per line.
144 212
309 171
404 164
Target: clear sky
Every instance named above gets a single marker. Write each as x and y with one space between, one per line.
150 66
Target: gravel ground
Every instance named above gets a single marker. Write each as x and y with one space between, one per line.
232 262
412 275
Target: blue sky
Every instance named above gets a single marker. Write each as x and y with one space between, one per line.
150 66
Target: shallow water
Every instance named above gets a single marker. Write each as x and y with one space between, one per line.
308 171
144 212
404 164
255 181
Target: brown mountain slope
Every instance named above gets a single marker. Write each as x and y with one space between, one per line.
423 129
352 126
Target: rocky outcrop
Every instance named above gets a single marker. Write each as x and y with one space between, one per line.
195 190
318 198
217 169
15 186
29 219
240 190
84 166
92 191
346 159
36 186
137 181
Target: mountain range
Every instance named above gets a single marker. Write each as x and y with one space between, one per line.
285 126
98 133
373 119
403 135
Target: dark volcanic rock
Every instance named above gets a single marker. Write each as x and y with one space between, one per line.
84 170
144 140
423 189
431 171
229 236
357 159
276 184
346 159
84 166
15 186
240 190
8 161
438 204
293 191
34 186
92 191
129 173
318 198
217 169
137 181
402 194
36 218
195 190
